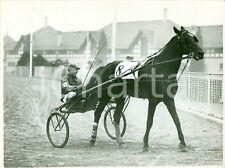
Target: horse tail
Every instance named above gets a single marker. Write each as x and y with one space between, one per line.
92 98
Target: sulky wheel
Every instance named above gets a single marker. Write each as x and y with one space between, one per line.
108 123
57 130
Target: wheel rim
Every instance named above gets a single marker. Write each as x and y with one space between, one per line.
57 130
108 123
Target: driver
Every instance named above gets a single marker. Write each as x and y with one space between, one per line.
70 84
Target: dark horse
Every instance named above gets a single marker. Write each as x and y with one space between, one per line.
155 90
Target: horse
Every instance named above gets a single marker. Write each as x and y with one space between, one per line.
167 63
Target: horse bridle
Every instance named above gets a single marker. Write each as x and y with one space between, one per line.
191 54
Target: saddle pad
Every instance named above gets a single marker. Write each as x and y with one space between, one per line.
124 68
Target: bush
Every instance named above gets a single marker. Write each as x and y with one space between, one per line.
40 61
37 61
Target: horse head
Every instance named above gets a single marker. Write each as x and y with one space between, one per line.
189 43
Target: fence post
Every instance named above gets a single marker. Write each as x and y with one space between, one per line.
189 90
208 94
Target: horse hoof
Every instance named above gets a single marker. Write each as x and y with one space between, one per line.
122 144
145 149
92 142
182 147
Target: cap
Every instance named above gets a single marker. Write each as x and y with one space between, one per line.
73 66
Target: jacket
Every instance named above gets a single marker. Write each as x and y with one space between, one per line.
69 83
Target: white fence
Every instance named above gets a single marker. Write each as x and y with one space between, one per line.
39 71
48 72
201 93
22 71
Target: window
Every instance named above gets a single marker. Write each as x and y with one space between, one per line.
11 64
221 66
213 52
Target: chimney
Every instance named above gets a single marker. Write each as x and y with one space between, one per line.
164 15
46 21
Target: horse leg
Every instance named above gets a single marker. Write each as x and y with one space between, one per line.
97 114
117 116
170 104
151 111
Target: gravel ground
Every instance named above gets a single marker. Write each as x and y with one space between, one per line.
27 103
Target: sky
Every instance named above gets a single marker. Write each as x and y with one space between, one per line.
23 16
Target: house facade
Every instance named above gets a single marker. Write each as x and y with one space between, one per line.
75 47
134 41
140 38
211 41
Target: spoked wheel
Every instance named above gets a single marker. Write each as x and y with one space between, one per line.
57 130
108 123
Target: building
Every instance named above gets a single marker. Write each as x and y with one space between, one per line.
134 41
211 41
140 38
9 45
76 47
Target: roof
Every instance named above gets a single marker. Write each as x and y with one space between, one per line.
49 38
96 35
24 39
127 31
72 40
211 36
157 32
45 38
9 43
149 35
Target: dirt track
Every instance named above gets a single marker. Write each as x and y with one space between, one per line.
27 103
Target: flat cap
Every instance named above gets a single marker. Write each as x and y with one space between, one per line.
73 66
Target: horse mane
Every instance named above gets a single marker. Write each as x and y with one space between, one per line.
165 48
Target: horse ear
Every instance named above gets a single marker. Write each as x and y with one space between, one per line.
176 30
182 28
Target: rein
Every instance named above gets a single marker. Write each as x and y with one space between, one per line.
139 66
183 69
148 61
131 72
126 73
119 77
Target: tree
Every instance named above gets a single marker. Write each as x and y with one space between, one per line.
24 59
40 61
37 61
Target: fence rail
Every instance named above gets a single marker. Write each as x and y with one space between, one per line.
202 93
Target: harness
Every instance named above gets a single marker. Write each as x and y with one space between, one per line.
149 60
134 70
